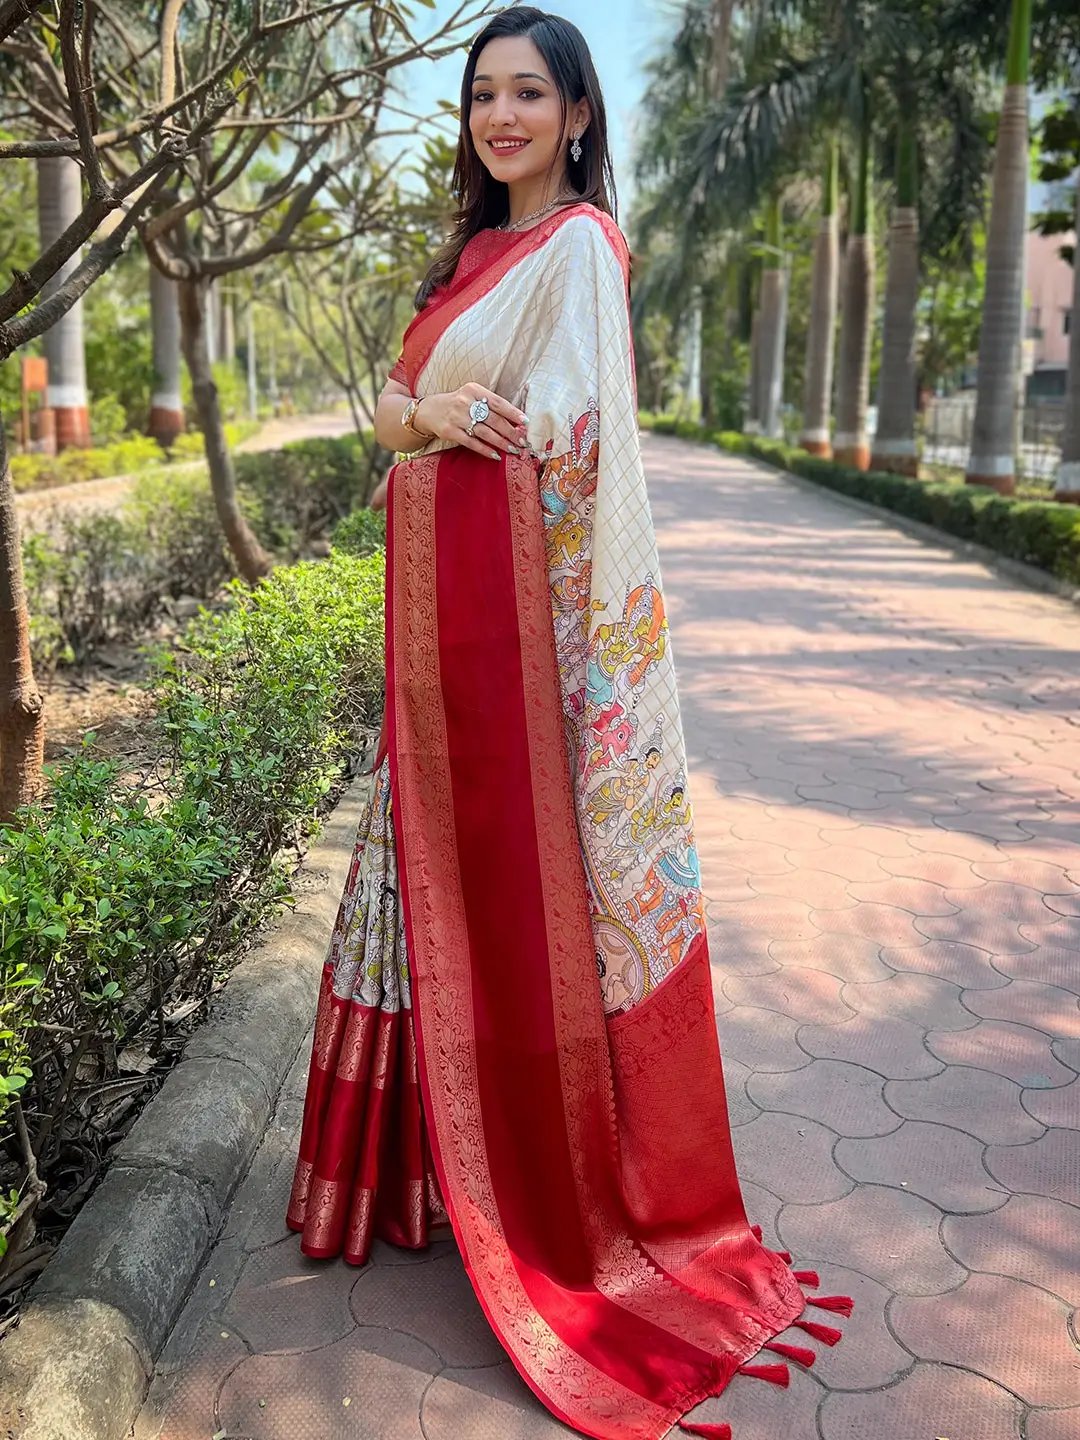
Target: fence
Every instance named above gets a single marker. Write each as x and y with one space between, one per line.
945 432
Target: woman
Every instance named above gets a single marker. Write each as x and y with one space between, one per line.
516 1027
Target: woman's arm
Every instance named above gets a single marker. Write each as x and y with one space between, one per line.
445 417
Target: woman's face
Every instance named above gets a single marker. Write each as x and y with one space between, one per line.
516 114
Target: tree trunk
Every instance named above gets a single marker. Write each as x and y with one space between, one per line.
773 326
251 559
853 381
22 710
894 442
720 48
1068 476
59 181
752 424
821 337
166 408
998 397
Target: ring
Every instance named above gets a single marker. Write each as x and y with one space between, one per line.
479 411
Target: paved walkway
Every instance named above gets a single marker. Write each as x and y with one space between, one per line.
885 753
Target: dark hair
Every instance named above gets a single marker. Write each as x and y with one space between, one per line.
483 201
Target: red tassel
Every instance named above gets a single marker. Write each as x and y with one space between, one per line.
709 1432
755 1230
775 1374
798 1353
785 1255
824 1333
842 1304
807 1277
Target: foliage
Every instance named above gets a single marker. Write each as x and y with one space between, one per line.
296 494
119 900
1040 533
361 533
131 455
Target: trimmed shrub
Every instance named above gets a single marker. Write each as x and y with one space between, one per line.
1041 533
361 533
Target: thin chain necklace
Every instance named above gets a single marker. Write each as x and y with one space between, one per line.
536 214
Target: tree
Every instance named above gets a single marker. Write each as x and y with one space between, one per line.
816 434
59 202
894 439
993 444
856 318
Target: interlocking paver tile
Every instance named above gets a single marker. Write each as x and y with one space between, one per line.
761 1039
873 839
284 1301
1013 1334
1047 1166
791 834
1055 1107
884 924
846 1098
996 934
790 1156
1015 1051
1025 1002
380 1373
762 1208
893 1048
781 919
948 871
961 965
848 862
802 993
920 999
1045 966
1053 1424
848 957
436 1305
918 897
1041 875
728 885
492 1403
811 887
737 950
1029 1238
933 1401
1062 933
887 1234
975 1101
1016 902
1064 904
868 1355
741 1108
180 1402
856 798
942 1165
953 842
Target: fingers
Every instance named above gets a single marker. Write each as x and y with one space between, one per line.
490 436
497 405
473 442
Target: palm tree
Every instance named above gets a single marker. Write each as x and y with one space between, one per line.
166 408
59 203
993 442
1067 486
856 318
772 324
824 297
894 440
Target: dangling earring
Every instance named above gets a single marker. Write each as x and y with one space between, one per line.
575 149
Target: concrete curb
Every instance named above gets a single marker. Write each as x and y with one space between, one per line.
78 1365
1028 575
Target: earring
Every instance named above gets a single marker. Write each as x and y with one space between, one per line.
575 149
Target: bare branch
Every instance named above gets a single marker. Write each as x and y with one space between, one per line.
14 12
80 97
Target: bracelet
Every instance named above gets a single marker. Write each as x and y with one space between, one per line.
407 419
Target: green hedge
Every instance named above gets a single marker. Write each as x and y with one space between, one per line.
132 455
1038 532
122 898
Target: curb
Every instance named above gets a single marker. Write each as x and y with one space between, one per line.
1017 570
79 1363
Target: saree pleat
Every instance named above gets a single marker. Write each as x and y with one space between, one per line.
516 1028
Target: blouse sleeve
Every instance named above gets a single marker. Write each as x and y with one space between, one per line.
398 373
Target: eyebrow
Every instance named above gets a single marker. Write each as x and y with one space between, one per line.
521 75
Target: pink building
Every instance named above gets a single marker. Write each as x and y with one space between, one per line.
1049 314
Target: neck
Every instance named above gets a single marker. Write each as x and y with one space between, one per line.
533 194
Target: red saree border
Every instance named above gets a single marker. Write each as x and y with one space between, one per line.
430 324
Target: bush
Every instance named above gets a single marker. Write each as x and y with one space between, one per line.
120 899
1041 533
361 533
296 494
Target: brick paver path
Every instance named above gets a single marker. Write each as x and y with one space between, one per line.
885 761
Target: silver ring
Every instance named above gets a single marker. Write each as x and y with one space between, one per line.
479 411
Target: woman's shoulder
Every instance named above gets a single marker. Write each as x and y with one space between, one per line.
587 228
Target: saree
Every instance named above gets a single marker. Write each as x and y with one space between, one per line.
515 1032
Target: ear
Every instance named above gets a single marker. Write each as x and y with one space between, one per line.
581 117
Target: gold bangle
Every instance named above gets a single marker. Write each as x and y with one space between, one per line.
407 419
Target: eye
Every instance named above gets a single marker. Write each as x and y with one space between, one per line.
481 96
529 95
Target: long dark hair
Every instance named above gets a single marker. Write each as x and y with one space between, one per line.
483 201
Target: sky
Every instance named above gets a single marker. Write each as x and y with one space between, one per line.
622 34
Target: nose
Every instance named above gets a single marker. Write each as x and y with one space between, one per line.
502 112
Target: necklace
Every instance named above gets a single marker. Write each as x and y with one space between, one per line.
536 214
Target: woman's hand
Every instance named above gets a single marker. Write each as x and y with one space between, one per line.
447 417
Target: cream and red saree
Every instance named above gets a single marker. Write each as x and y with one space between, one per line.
516 1022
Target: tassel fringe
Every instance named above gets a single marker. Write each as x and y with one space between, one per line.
810 1278
798 1353
841 1304
826 1334
708 1432
774 1374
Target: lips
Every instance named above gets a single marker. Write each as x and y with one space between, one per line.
508 146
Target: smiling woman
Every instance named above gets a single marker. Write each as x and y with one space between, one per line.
515 1031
